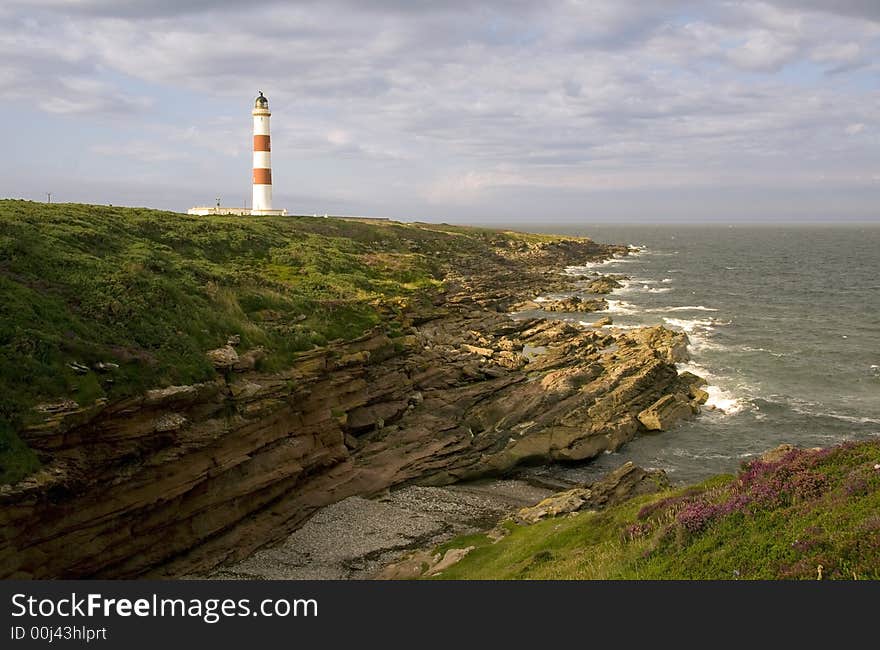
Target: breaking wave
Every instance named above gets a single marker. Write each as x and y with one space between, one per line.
621 307
747 348
691 326
721 400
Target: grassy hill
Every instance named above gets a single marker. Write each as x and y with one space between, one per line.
150 292
778 519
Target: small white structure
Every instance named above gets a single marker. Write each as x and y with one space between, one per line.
262 176
205 210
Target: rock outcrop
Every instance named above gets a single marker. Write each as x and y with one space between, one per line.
665 412
571 304
604 284
624 483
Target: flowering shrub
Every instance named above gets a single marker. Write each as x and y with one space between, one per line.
856 484
637 531
760 484
696 515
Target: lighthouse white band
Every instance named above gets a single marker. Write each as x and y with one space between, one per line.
262 197
262 160
261 125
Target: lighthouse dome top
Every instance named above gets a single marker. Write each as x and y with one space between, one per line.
261 101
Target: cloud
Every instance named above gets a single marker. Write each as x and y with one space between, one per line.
763 51
56 71
464 102
854 129
141 150
84 95
864 9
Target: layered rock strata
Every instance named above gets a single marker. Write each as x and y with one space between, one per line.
185 478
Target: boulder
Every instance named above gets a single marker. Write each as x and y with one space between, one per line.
603 284
223 358
64 406
171 394
169 422
78 368
691 380
351 442
554 505
452 556
249 360
777 453
574 304
671 346
627 481
473 349
665 412
602 322
691 385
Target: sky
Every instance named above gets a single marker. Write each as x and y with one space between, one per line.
485 112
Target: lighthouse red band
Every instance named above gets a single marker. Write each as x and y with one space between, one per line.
262 157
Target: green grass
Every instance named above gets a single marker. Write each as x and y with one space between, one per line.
152 291
773 521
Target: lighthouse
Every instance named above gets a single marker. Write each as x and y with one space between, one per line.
262 157
262 170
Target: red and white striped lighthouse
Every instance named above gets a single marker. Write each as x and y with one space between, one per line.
262 157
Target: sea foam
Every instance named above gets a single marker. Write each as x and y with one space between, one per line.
747 348
690 326
658 310
621 307
720 400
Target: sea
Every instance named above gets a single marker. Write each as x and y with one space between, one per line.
783 322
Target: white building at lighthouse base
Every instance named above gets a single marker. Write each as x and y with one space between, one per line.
205 210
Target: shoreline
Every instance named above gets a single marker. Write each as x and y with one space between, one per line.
379 537
459 393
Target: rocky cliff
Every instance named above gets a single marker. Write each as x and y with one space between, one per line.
185 478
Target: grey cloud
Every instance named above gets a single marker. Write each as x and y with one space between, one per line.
488 95
868 9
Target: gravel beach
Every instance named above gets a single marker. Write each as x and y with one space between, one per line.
356 537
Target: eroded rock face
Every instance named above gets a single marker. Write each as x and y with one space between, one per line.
185 478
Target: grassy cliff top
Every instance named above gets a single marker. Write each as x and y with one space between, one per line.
152 291
777 519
